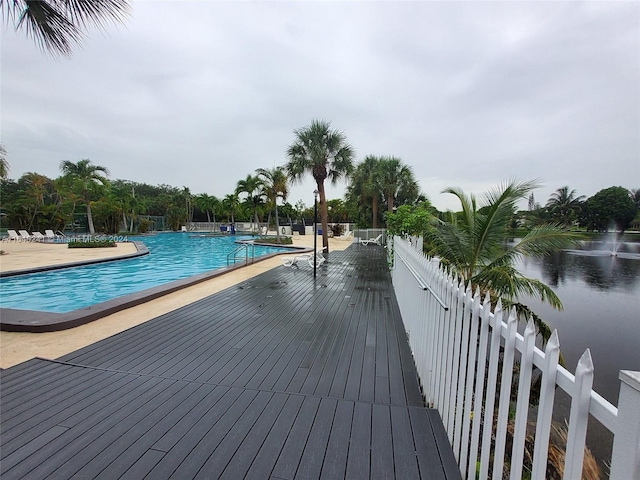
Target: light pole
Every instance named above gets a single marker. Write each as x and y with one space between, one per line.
315 231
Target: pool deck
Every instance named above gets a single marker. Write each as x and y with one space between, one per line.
281 376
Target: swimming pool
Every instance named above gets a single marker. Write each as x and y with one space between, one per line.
172 256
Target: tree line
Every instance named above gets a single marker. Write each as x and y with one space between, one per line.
376 187
84 192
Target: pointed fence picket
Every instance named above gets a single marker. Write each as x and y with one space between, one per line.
466 356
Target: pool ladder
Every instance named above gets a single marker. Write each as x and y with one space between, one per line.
237 254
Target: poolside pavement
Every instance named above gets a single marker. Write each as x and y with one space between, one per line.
17 347
25 255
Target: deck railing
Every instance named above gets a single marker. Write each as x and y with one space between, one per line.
468 355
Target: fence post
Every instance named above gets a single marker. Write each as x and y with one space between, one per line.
625 458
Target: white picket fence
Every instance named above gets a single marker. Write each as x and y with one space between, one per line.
460 345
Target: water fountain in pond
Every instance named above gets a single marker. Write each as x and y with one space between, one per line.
610 245
615 245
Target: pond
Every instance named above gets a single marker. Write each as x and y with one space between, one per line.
600 293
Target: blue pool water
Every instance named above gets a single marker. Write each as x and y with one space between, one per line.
172 256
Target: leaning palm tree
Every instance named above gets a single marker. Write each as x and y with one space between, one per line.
364 185
87 176
324 153
274 182
208 204
564 205
58 25
473 246
251 186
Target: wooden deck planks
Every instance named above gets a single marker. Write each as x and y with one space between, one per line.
281 377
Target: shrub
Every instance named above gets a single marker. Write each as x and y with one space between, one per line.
143 225
91 243
337 229
275 240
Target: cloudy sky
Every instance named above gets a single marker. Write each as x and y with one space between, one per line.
470 94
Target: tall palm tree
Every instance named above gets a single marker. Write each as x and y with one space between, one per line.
274 182
251 186
394 178
324 153
564 205
58 25
364 185
473 246
87 176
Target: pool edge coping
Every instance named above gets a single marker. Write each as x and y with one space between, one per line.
141 249
34 321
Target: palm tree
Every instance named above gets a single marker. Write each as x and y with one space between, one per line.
251 186
324 153
230 203
87 176
396 178
185 195
275 186
57 25
564 205
364 185
208 204
473 246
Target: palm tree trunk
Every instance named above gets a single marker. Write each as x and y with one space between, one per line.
277 224
92 229
255 215
374 208
323 218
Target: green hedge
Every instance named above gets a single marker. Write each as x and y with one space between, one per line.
283 240
91 244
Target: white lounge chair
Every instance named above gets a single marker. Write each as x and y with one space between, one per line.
319 259
25 236
307 257
346 236
50 235
375 241
292 261
38 237
13 236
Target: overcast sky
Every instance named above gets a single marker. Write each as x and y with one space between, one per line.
469 94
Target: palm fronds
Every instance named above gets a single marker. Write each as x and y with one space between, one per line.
474 246
58 25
